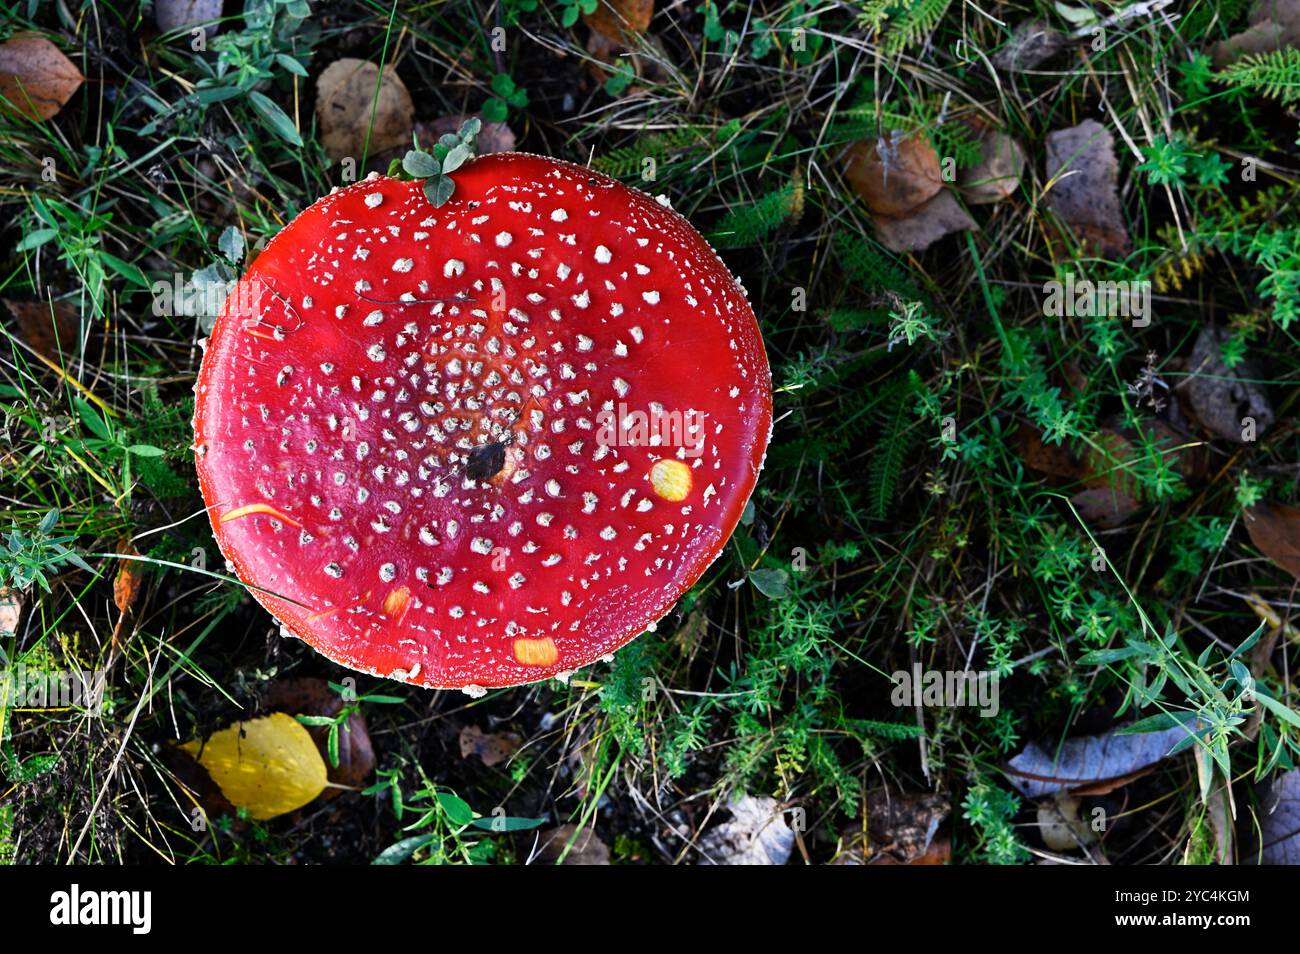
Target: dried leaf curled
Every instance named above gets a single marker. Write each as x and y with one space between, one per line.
36 79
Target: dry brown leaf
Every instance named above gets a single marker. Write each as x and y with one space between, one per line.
939 853
620 20
924 225
1275 530
998 173
1084 173
1113 493
345 95
642 52
1104 508
126 585
1274 24
906 176
1189 456
902 829
177 14
36 79
48 330
1221 397
492 748
313 697
1055 460
1032 44
586 848
1108 462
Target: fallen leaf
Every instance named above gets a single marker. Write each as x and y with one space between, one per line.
345 97
1084 173
1076 462
620 20
177 14
924 225
1278 816
1189 456
308 696
1107 461
1273 24
1275 531
894 176
492 748
939 853
1032 44
126 585
1090 764
36 79
586 847
51 330
756 835
1104 508
1221 397
643 54
1055 460
1117 451
998 173
267 766
200 790
902 828
1060 825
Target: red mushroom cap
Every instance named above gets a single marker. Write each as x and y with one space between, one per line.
481 444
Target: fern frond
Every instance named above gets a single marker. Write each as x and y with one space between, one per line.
874 271
914 24
874 13
898 432
890 731
751 223
1275 75
661 146
855 319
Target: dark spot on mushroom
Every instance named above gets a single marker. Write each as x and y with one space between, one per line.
486 461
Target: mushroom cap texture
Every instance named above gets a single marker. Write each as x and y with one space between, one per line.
584 327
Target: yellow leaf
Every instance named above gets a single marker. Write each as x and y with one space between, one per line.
268 766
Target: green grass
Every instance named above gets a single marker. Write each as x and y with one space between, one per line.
902 538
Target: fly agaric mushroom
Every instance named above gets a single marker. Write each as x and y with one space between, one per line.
486 443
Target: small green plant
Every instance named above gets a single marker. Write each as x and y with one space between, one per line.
508 96
445 826
571 10
450 153
341 721
990 811
29 557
